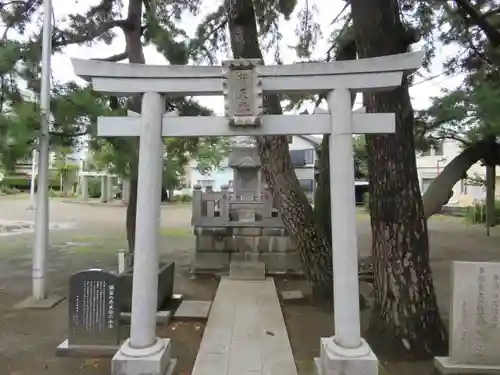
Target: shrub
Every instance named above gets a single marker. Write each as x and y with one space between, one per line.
185 198
476 214
94 186
22 182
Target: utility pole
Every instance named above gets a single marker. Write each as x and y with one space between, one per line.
39 297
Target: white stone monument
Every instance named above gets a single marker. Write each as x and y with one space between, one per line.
474 319
346 352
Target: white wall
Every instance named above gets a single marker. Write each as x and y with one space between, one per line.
428 167
224 175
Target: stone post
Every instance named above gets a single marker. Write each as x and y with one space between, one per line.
104 189
197 205
84 186
224 202
109 188
346 352
143 352
125 190
209 205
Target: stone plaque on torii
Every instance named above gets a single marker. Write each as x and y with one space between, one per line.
346 351
242 90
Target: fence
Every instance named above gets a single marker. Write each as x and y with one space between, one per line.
225 209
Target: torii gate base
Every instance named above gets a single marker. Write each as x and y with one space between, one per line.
346 353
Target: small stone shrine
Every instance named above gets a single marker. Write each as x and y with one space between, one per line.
474 327
241 225
94 315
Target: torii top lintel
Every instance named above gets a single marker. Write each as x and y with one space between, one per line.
364 74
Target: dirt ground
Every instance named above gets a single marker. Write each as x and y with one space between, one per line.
95 232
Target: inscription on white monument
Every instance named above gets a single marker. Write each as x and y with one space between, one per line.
475 313
242 92
242 95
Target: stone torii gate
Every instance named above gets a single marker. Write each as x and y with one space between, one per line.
243 82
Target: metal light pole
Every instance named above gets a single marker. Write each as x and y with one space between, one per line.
33 180
39 299
42 197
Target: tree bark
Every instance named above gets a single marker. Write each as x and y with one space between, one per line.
441 189
405 321
136 56
312 243
491 217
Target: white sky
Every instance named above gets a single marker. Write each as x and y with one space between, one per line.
62 69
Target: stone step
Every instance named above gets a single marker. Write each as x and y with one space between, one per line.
247 270
246 332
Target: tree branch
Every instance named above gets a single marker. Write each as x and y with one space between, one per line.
114 58
479 20
490 13
62 39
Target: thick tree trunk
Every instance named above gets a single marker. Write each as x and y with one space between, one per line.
312 244
322 208
440 190
491 217
136 56
405 321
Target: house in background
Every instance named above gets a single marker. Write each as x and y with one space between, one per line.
431 163
302 154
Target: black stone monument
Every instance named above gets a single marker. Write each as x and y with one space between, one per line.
94 315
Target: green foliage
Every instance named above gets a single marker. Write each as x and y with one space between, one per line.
360 156
307 31
476 180
210 155
467 114
184 198
476 214
94 186
23 182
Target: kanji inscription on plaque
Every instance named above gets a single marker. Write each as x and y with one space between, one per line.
93 308
242 92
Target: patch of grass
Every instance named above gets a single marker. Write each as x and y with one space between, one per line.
176 232
96 243
84 238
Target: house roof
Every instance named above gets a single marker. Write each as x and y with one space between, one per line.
314 141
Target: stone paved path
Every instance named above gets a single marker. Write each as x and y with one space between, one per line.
246 332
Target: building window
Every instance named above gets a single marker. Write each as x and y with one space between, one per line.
426 152
301 158
298 158
309 157
307 185
205 183
438 149
463 186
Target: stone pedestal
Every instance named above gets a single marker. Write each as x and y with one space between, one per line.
335 360
154 360
217 247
